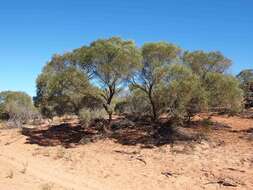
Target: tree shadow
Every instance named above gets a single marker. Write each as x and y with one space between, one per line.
249 130
122 130
150 135
63 134
247 113
244 133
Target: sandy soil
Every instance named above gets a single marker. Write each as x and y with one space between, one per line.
225 161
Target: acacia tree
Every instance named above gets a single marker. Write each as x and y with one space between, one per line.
184 94
224 92
109 63
202 62
156 59
62 88
246 82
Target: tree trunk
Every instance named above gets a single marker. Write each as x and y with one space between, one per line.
108 111
153 106
110 117
154 112
107 106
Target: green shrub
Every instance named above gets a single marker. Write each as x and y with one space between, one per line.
185 95
63 89
246 83
224 93
121 107
87 116
17 107
138 104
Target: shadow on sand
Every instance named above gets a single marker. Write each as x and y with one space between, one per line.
63 134
122 131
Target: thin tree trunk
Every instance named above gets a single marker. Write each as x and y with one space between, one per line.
110 117
108 111
107 106
153 106
154 112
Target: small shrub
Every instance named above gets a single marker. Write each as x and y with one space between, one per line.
137 104
17 108
224 93
246 83
87 116
207 122
207 125
121 107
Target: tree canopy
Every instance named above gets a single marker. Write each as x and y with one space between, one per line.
160 77
154 67
110 62
63 89
203 62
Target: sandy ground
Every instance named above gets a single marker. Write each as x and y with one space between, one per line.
225 159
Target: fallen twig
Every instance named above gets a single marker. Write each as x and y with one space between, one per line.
124 152
222 182
169 174
234 169
140 159
134 155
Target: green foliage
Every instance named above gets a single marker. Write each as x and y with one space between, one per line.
88 115
162 81
207 122
110 62
184 95
246 76
138 103
223 92
63 89
204 62
178 94
17 107
246 82
156 59
121 107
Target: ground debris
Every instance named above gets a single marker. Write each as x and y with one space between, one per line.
225 182
125 152
141 159
170 174
133 155
234 169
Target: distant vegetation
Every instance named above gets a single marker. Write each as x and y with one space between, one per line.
17 107
246 81
115 76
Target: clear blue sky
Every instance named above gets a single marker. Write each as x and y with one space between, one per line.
31 31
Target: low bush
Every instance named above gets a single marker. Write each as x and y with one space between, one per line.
17 108
87 116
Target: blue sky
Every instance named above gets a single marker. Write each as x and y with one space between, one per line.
32 31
